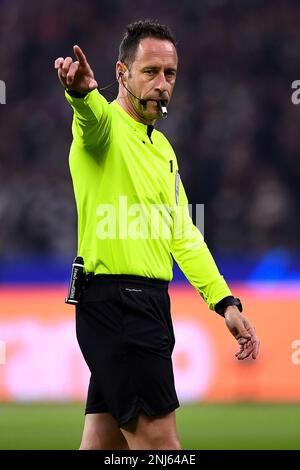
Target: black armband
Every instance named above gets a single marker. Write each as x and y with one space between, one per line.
226 302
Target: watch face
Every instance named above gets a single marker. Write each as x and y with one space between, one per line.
238 303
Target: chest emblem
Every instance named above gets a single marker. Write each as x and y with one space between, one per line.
177 183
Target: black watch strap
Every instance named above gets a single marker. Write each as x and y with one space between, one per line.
226 302
75 94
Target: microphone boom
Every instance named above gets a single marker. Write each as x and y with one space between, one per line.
160 103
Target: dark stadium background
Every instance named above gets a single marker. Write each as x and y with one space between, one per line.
236 134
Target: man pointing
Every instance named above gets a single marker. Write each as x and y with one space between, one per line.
132 218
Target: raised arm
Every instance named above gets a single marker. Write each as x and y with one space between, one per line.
91 123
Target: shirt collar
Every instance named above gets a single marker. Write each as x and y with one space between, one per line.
132 122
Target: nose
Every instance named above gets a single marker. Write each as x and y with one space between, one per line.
161 84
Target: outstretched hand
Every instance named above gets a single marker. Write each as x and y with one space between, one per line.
77 76
241 328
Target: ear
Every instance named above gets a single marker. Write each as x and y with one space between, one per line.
120 70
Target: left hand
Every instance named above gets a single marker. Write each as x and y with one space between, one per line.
243 331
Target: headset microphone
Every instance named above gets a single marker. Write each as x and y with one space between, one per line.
141 100
160 103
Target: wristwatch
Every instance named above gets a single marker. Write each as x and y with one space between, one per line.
226 302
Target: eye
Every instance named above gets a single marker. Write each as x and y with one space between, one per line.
170 73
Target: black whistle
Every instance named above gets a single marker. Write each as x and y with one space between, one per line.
76 281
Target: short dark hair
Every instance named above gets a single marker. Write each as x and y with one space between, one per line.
140 30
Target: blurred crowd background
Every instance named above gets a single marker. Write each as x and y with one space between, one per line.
231 122
236 134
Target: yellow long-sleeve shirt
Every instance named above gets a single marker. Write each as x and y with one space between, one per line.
132 206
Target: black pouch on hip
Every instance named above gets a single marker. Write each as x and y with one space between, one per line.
76 281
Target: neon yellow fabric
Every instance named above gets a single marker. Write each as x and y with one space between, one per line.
129 215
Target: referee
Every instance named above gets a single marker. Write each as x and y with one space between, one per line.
132 218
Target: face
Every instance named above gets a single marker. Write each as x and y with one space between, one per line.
151 76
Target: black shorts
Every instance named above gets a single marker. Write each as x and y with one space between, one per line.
125 332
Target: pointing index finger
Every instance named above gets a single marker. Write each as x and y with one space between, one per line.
80 55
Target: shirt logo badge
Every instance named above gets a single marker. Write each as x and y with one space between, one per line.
177 182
